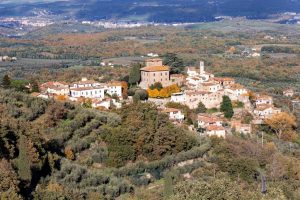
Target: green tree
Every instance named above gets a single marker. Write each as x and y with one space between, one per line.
157 86
135 74
35 86
19 85
201 108
226 107
174 62
6 82
136 98
23 160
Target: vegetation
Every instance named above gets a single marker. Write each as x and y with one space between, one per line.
226 107
163 92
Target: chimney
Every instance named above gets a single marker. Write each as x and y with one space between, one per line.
202 67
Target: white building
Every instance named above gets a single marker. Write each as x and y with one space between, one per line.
88 92
57 88
192 98
114 88
235 91
261 99
265 111
174 114
210 87
205 120
218 131
87 89
84 83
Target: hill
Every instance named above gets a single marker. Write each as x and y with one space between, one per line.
152 11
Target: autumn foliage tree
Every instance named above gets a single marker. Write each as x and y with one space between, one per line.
165 92
281 123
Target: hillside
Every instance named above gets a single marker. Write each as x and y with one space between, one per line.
152 11
55 150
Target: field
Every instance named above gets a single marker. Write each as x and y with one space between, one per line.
219 44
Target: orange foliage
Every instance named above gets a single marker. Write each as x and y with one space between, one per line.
69 153
164 92
61 97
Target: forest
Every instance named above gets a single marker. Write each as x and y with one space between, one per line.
58 150
52 149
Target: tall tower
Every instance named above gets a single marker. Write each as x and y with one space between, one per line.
202 68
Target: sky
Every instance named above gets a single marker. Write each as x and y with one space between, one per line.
25 1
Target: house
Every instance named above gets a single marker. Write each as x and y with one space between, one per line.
191 98
218 131
224 81
115 88
235 91
106 103
288 92
154 72
179 97
240 127
196 77
57 88
264 111
174 114
87 89
178 79
262 99
88 92
210 87
205 120
84 83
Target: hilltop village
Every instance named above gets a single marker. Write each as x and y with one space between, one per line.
196 89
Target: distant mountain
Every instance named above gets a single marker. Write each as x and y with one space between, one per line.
151 10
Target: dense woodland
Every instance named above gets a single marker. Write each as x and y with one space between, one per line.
58 150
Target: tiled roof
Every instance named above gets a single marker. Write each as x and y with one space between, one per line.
237 87
155 68
208 118
115 83
263 107
168 110
223 79
85 88
215 128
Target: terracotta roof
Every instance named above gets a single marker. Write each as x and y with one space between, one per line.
215 128
237 87
197 92
115 83
85 82
85 88
223 79
263 97
168 110
208 118
209 84
35 94
263 107
153 59
155 68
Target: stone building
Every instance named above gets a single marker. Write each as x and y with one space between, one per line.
154 72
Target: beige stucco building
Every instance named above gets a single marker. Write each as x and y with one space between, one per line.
154 72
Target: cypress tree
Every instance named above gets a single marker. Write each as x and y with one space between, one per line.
135 74
201 108
35 87
6 82
226 107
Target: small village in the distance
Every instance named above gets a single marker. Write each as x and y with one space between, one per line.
195 88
